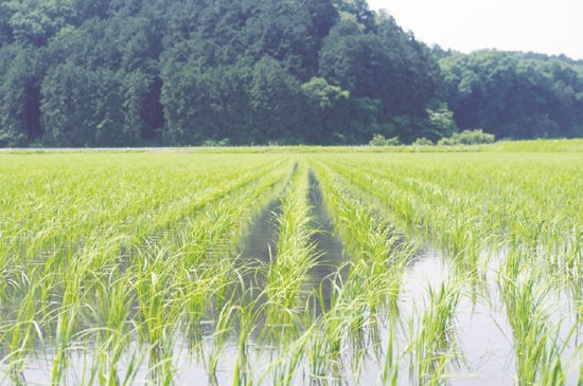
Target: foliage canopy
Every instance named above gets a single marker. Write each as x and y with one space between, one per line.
134 73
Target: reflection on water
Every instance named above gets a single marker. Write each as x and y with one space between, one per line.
488 356
330 253
484 352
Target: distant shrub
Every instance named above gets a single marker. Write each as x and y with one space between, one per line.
447 141
474 137
423 142
468 137
380 140
214 143
440 122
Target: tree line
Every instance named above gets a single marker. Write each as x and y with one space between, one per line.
196 72
515 95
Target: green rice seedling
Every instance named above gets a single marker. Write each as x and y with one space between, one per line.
206 279
121 260
112 335
160 364
101 200
247 322
113 296
248 319
206 258
159 312
479 216
71 271
485 227
219 338
20 336
378 262
457 232
287 274
374 243
150 319
390 372
103 358
536 344
433 344
70 310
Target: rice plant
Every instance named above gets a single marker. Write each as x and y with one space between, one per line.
134 268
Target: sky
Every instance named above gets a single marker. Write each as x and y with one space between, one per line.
552 27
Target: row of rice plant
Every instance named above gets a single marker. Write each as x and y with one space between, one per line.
512 226
522 202
359 327
132 281
133 268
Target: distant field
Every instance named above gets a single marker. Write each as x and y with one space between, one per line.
549 145
293 266
533 146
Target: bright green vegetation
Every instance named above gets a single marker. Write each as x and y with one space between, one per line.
149 267
549 146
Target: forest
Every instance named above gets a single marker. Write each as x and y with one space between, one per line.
116 73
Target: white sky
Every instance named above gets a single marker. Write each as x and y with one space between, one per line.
546 26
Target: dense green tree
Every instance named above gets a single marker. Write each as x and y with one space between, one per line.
512 96
391 77
151 72
36 21
358 11
5 28
205 105
19 96
88 9
88 108
441 123
323 15
276 100
327 107
103 75
123 72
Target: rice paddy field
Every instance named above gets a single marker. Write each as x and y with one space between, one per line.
291 267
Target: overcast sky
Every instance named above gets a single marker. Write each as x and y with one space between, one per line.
546 26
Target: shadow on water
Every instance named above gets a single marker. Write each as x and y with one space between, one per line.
261 240
256 253
329 248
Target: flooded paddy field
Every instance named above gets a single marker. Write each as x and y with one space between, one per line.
291 268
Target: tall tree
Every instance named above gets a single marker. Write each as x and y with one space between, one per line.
19 95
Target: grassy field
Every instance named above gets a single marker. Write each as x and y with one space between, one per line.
292 266
548 146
